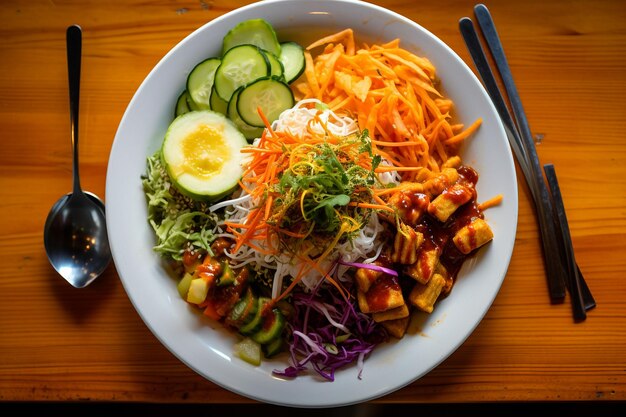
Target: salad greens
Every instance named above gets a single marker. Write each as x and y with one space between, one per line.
179 222
325 178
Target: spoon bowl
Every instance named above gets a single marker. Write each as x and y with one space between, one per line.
75 234
76 245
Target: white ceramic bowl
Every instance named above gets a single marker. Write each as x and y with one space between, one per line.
207 348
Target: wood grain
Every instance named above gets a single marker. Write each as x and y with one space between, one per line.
62 344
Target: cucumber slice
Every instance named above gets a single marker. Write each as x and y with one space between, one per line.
201 153
191 104
217 104
292 58
250 132
228 276
181 104
240 66
255 324
200 82
271 95
253 32
272 327
276 67
244 310
249 350
272 348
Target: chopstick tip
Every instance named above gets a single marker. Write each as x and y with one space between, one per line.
480 6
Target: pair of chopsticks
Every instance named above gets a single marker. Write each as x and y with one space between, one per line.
561 268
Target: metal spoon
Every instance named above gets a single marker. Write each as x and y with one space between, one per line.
75 235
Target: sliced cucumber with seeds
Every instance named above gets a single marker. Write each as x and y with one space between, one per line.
250 132
271 328
240 66
244 310
272 348
255 324
200 82
292 58
249 350
181 104
254 32
276 67
191 104
217 104
272 96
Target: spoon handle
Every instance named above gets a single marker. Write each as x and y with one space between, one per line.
74 50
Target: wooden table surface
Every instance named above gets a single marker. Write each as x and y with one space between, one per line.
62 344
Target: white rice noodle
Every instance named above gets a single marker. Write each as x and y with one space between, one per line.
227 203
296 119
365 247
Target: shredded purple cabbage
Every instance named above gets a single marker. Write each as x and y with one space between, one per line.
373 267
327 332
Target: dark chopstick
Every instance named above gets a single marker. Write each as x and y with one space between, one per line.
480 60
493 41
582 300
556 239
574 280
556 280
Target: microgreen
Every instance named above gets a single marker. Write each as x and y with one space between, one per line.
323 180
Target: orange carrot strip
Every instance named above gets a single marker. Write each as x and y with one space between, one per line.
294 281
394 143
372 206
387 168
292 234
268 206
259 150
309 72
464 134
493 201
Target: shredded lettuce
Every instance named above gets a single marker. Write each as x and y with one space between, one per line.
179 222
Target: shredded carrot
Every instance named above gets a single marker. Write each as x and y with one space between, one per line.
386 168
493 201
392 93
383 207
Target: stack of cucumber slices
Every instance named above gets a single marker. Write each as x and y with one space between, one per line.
253 72
224 106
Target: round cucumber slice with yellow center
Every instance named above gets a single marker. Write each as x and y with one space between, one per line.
202 155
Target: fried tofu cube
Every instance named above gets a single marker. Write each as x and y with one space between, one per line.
424 296
438 183
447 287
406 245
472 236
393 314
365 277
410 204
452 162
423 175
383 295
441 270
423 269
449 201
451 174
397 328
